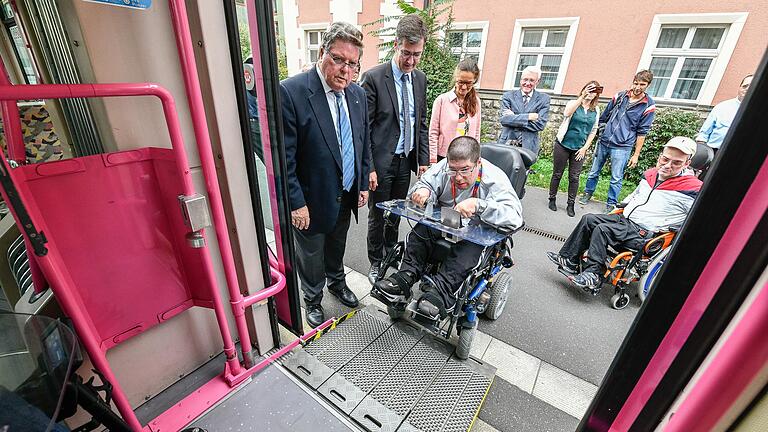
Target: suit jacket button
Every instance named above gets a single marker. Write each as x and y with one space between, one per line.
338 199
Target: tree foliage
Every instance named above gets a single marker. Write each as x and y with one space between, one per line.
437 62
245 50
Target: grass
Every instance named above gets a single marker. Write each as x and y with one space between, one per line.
541 178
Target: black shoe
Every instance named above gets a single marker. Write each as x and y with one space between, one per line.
552 206
587 281
315 315
373 273
570 211
563 263
432 305
609 208
585 198
396 288
345 296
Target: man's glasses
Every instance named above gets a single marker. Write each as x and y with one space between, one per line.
339 61
407 54
676 163
453 173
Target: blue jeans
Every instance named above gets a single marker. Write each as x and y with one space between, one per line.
619 158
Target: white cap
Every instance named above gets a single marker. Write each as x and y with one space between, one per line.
684 144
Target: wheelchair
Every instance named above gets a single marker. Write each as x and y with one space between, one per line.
625 265
486 288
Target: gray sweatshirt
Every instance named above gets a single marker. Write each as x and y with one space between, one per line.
498 203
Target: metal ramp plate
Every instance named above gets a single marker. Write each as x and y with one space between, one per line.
391 377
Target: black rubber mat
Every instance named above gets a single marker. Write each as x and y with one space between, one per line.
391 377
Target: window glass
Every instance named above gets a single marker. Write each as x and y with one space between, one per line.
672 37
532 38
707 38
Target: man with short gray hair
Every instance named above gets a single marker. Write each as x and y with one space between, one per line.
325 127
397 111
524 112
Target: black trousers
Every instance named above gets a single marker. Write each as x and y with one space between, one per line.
320 257
562 156
595 232
382 235
463 257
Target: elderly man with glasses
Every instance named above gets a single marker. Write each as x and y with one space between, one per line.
660 202
397 111
325 126
476 189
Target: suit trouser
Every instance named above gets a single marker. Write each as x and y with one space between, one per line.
595 232
320 257
394 184
463 257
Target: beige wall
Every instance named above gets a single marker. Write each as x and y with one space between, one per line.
609 41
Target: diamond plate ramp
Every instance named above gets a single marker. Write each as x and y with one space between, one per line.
452 400
387 405
347 388
319 359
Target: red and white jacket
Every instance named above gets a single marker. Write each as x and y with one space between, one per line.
664 205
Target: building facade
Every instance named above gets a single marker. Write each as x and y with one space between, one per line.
699 51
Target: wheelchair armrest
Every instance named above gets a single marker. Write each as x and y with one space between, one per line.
507 231
659 242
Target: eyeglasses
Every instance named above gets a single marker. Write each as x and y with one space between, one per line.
676 163
407 54
339 61
463 171
465 83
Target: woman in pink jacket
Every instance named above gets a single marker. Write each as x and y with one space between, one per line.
456 112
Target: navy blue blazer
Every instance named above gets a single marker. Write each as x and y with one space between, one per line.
517 126
312 150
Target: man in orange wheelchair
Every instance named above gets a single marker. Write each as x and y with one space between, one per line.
659 203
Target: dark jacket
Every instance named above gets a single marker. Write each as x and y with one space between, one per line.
384 118
624 122
312 150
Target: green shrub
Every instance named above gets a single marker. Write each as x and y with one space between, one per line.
546 141
669 122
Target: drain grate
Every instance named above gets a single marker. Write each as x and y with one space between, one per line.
542 233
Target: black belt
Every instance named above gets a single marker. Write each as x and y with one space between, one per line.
401 155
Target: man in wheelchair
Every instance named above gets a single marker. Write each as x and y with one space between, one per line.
659 203
476 189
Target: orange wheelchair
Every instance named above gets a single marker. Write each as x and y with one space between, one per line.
625 265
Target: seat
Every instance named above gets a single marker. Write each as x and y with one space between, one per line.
515 161
703 157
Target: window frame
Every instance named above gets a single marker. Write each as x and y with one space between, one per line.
516 49
470 26
305 30
733 24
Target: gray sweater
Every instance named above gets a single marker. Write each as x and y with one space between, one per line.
498 202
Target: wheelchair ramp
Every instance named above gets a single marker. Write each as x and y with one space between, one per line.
391 376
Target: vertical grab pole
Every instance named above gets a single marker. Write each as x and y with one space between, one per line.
12 122
195 98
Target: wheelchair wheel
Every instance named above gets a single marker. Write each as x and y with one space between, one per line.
646 280
466 337
620 300
499 291
395 313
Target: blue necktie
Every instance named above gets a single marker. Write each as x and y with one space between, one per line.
347 145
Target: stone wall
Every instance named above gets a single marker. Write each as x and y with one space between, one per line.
491 103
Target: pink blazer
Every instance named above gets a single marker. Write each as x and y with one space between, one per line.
444 123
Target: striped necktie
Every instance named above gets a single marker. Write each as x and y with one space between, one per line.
347 145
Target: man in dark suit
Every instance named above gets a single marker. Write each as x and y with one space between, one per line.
325 123
524 112
397 111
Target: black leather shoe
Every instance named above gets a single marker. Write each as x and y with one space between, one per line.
345 296
315 315
570 211
552 206
373 273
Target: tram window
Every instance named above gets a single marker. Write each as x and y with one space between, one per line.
20 49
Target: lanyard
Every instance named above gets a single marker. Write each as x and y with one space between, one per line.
475 188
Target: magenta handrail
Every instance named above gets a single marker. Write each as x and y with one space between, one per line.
197 111
735 366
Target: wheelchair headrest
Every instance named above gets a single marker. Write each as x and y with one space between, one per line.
513 160
703 157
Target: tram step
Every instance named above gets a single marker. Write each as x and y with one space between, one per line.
391 376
